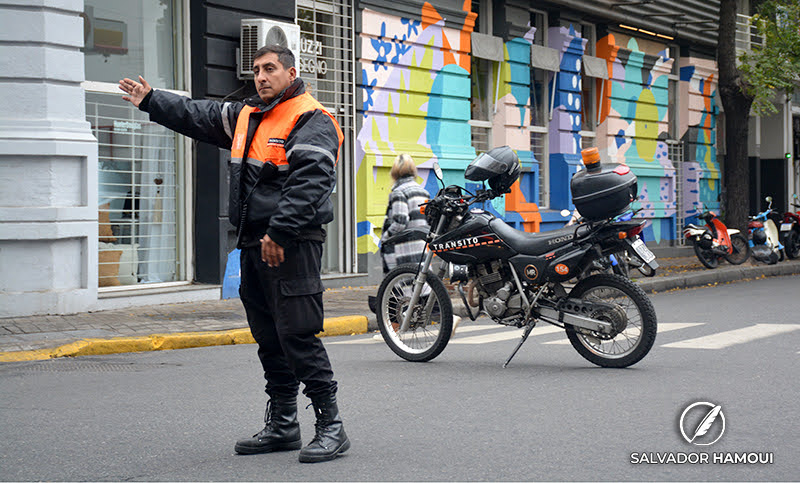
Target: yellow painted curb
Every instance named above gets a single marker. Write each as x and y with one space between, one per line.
349 325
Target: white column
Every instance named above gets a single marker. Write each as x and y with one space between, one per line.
48 162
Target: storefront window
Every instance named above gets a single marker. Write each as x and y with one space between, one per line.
140 164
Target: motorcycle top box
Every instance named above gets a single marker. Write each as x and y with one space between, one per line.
602 191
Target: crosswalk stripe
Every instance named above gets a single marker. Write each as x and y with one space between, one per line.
664 327
722 340
370 340
505 335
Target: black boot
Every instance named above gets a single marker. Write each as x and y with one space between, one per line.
330 440
282 432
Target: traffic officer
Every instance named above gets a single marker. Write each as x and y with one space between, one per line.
284 148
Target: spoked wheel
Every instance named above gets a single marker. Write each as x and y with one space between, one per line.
626 307
706 257
741 250
431 317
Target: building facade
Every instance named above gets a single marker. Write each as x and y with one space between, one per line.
100 208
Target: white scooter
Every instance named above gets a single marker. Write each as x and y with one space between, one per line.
764 236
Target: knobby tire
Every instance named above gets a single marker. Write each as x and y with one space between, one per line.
429 338
643 321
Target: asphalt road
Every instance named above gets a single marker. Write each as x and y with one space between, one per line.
174 415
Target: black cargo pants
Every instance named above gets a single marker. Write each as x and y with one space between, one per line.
284 310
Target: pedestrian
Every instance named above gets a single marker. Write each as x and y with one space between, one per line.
284 148
403 214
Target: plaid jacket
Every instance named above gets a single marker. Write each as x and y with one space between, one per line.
401 214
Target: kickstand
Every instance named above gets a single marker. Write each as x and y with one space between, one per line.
528 329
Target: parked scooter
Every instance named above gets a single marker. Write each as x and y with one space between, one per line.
790 231
716 241
764 238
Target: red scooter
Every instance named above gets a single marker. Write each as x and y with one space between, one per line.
715 241
790 231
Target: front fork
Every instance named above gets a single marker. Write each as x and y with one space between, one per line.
422 275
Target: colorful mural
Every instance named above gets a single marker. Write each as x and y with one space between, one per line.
634 124
701 173
416 99
417 94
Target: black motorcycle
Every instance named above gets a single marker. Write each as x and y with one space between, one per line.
519 278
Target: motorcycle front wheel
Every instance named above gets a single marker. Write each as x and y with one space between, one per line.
431 317
706 257
626 307
741 250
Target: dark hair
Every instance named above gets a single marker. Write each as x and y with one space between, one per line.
285 56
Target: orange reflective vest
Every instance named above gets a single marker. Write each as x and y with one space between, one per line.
269 141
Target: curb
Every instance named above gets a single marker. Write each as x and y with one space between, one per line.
348 325
717 276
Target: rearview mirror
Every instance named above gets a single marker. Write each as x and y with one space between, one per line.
769 199
438 171
565 213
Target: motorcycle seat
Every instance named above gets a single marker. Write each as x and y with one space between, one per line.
533 243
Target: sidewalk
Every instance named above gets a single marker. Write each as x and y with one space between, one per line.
223 322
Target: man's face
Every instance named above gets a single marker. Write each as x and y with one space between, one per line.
270 76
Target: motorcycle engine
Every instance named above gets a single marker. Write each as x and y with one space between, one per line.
500 299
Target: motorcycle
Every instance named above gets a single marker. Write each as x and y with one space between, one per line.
764 237
716 241
519 278
790 231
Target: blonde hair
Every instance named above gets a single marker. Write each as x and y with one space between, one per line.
403 166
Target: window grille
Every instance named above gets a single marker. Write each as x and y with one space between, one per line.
675 151
481 132
139 193
539 146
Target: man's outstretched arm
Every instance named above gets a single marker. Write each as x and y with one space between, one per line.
205 120
136 90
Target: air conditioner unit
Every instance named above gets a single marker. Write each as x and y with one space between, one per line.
258 32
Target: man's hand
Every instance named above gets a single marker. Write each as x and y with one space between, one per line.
271 252
136 90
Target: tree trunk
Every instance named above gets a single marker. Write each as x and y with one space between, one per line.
735 101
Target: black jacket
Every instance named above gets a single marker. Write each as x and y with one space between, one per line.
287 206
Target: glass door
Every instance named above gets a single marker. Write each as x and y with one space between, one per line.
326 66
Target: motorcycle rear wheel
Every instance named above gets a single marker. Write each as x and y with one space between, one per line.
432 320
634 340
706 257
741 250
792 245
